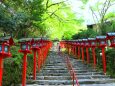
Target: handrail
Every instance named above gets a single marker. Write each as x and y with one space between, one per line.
70 68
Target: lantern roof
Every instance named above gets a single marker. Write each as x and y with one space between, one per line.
73 40
84 40
25 40
7 39
36 39
91 39
79 40
100 37
111 34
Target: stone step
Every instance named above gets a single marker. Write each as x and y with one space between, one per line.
69 78
63 63
33 84
96 81
51 77
61 74
59 62
53 74
108 84
52 82
61 68
66 71
56 66
56 71
69 82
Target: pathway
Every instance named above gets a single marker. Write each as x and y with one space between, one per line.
55 73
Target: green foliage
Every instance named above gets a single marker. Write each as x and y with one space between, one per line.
40 17
62 22
110 15
18 16
12 68
110 58
108 27
85 33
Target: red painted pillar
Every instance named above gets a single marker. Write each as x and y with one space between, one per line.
94 57
82 54
34 66
68 48
24 69
104 59
42 55
1 70
75 51
39 60
87 54
78 52
72 49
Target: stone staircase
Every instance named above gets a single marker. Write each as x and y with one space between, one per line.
55 73
88 76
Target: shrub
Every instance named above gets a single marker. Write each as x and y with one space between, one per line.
110 58
85 33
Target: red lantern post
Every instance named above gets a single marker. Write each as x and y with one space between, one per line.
34 48
78 48
102 44
87 45
5 43
82 47
92 42
25 49
40 56
75 48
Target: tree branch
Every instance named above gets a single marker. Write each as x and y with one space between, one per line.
105 11
47 4
93 13
56 3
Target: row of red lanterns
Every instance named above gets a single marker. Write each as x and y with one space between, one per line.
27 45
81 44
36 45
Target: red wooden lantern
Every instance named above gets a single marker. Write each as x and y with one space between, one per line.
75 48
102 44
93 45
25 45
87 45
82 45
111 37
25 49
101 41
78 48
35 48
92 42
5 44
36 43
